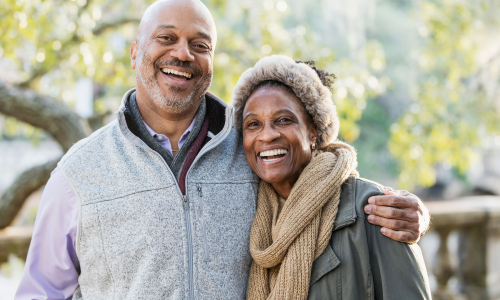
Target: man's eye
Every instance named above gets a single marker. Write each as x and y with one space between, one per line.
201 46
252 124
166 38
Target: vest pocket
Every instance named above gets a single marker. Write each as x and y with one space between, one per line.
203 224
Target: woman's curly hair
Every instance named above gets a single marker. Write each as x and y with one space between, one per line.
328 79
311 85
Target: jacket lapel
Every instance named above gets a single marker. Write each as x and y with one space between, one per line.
346 215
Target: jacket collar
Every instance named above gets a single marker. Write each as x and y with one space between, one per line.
347 209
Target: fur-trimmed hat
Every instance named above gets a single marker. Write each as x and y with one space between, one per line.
303 81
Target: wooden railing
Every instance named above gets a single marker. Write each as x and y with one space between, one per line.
476 265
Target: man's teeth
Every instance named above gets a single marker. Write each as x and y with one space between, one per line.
273 152
171 71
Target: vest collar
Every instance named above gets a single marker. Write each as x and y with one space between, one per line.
220 116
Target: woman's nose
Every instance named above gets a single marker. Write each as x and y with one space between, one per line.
269 134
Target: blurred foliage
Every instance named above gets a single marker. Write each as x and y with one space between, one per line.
434 97
13 268
452 115
52 44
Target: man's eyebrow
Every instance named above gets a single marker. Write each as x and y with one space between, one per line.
165 26
205 35
199 33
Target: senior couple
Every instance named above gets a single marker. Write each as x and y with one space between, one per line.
184 197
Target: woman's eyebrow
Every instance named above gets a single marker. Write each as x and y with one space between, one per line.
249 115
283 111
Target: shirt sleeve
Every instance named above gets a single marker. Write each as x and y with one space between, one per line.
52 266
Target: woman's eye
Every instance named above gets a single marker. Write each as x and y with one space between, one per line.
252 124
284 120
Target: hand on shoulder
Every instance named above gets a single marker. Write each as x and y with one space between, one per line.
403 216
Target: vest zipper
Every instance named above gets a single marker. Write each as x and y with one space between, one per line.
210 145
203 225
187 217
186 204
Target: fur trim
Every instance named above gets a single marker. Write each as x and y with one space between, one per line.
303 81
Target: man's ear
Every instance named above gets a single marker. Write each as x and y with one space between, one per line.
133 54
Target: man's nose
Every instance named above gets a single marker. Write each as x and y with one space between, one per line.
182 51
269 133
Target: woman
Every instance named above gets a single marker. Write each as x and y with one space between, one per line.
310 238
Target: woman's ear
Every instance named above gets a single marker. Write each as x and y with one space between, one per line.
313 135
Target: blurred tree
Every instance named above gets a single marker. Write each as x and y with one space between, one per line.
456 108
49 45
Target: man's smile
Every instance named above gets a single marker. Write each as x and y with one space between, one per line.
177 77
175 72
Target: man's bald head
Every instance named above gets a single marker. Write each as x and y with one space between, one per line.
152 16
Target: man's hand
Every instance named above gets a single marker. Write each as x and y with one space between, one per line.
402 215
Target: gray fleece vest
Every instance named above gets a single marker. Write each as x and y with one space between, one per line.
140 238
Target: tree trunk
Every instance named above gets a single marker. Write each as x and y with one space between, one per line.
65 126
28 182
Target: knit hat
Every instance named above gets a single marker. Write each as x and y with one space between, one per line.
303 81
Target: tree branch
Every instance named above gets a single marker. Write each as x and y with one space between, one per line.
28 182
65 126
110 24
73 40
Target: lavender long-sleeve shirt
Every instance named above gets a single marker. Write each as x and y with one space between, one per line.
52 266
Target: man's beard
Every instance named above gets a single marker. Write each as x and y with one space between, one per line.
173 104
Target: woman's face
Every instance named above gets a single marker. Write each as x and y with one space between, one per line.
277 135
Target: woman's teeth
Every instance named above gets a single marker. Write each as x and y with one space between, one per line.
172 71
270 155
270 159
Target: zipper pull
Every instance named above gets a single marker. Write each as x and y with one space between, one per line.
199 191
186 204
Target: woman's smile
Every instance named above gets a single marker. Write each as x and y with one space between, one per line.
272 156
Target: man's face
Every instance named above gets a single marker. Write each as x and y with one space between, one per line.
173 58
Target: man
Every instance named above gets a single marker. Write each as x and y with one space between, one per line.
159 203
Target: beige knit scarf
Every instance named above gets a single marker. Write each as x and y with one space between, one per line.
284 247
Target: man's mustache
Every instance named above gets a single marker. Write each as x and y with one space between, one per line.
175 62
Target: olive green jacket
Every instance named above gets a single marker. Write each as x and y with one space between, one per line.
360 262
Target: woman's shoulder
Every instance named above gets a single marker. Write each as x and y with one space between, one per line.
355 194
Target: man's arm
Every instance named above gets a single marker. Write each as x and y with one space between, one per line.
52 266
398 269
403 216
